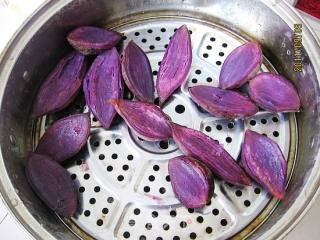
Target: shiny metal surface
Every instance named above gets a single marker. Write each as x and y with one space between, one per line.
33 52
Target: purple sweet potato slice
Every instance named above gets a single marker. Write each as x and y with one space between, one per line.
175 64
52 183
240 65
192 182
102 83
198 145
145 119
263 160
61 86
93 40
274 93
137 73
65 137
223 103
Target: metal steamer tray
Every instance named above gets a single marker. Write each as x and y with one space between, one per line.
122 180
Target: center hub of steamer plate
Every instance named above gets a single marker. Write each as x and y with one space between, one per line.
122 181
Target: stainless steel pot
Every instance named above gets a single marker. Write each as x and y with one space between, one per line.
136 205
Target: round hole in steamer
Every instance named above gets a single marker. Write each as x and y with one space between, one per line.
198 71
86 176
156 168
208 230
183 224
173 213
132 222
110 200
148 226
179 109
96 189
275 119
159 238
151 178
162 29
109 168
275 134
101 156
124 38
142 237
154 214
190 210
73 176
165 226
221 54
200 219
107 142
193 235
146 189
223 222
162 190
219 127
166 45
136 33
87 213
151 47
149 31
190 31
120 178
158 38
247 203
168 178
126 234
224 45
231 125
114 156
125 167
118 141
92 201
143 40
105 210
253 122
81 189
79 162
209 47
130 157
176 238
164 144
209 79
228 139
212 39
218 63
205 55
238 193
263 121
155 73
136 211
257 190
194 80
99 222
215 211
96 144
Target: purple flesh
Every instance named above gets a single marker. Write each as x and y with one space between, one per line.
65 137
61 86
223 103
145 119
274 93
137 73
240 65
93 40
192 182
175 64
52 183
102 83
198 145
263 160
